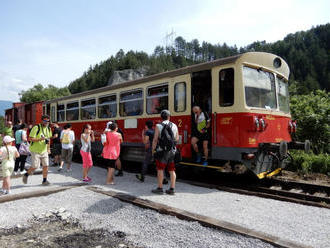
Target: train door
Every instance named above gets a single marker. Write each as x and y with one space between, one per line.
201 95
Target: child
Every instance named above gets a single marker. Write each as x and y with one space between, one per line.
67 139
87 137
8 154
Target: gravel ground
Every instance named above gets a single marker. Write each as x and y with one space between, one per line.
302 224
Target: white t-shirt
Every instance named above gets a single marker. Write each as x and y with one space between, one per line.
71 139
9 162
174 128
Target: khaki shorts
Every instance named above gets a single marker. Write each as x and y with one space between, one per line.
7 169
36 158
66 155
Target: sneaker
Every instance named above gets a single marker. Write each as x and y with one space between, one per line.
119 173
140 177
23 172
165 181
87 180
59 169
170 191
205 163
90 179
25 179
15 173
158 191
198 158
46 183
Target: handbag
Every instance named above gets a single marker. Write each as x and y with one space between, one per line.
24 149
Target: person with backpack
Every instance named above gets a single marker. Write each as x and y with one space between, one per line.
164 149
21 139
67 139
40 136
147 138
200 125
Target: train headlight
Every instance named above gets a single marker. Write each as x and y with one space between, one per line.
256 123
290 127
262 124
277 62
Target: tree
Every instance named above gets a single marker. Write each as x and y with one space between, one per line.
312 113
39 93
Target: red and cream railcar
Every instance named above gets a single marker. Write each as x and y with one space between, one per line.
245 95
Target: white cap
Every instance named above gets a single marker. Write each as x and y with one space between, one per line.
8 139
108 124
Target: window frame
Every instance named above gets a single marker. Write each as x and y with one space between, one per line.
123 101
104 104
185 96
219 84
150 97
88 106
66 110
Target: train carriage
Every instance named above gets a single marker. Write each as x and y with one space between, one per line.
245 95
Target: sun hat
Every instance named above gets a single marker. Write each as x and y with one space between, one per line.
8 139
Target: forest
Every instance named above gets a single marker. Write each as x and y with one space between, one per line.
306 52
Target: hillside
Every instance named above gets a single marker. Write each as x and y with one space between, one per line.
307 54
3 106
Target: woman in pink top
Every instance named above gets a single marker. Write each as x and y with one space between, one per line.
111 150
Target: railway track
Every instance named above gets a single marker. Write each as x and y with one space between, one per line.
290 191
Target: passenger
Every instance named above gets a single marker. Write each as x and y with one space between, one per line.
67 139
40 136
8 153
111 150
17 126
21 137
147 138
8 129
167 152
201 122
57 146
87 137
118 168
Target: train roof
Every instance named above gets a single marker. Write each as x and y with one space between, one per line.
173 73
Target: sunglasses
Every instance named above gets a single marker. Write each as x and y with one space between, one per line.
45 120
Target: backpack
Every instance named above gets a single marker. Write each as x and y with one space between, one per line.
66 138
166 141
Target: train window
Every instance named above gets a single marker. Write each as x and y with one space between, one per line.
283 95
226 87
48 109
88 109
72 111
107 107
131 103
259 88
157 99
180 97
60 112
52 114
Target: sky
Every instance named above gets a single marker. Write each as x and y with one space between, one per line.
54 42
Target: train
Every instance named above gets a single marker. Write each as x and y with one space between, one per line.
246 97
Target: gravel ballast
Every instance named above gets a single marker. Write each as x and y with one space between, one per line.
302 224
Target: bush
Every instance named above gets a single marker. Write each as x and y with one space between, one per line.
311 162
312 113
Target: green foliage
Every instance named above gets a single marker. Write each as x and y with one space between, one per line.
307 54
39 93
312 113
307 163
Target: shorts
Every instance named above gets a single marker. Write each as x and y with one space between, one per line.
37 158
201 136
7 170
66 155
87 159
110 163
167 160
57 148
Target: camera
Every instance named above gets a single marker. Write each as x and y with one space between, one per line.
46 141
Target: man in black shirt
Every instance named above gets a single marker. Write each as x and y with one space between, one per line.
147 138
57 146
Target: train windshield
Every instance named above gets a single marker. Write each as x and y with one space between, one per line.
259 88
283 95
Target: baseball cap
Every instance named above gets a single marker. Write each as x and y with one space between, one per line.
8 139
